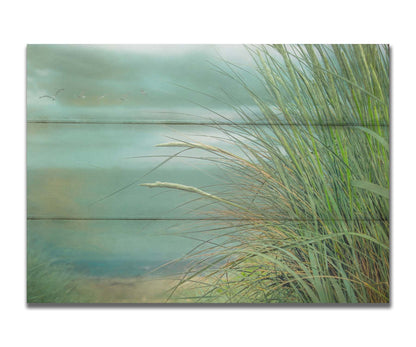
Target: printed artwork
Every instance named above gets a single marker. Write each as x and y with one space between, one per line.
208 174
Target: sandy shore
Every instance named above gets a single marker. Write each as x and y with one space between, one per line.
125 290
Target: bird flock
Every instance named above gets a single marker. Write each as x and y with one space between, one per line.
82 96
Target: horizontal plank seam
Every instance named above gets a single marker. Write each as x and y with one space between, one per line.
200 219
210 123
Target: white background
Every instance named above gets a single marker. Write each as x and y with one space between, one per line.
206 22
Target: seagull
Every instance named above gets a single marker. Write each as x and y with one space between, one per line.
143 92
101 97
53 98
123 98
81 95
47 96
58 91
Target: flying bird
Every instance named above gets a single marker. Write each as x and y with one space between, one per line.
53 98
59 91
47 96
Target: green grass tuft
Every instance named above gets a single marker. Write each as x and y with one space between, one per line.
48 282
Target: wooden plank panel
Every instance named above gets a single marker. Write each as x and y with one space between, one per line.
143 83
135 248
176 83
80 171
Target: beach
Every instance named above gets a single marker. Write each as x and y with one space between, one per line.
125 290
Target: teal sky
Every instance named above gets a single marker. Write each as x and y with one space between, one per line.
122 82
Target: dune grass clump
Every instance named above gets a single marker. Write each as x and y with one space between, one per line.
306 203
49 282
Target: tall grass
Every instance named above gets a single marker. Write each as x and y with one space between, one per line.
49 282
307 195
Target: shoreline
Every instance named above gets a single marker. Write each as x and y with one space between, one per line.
135 290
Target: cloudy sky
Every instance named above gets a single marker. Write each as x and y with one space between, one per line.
119 82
